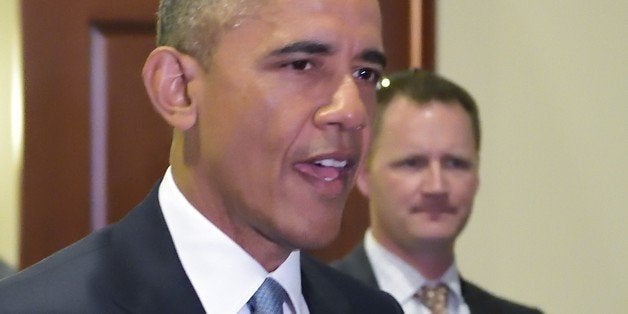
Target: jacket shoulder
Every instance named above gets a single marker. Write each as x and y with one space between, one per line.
483 301
72 278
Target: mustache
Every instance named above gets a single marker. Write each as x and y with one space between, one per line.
434 207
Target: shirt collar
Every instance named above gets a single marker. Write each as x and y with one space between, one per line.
222 273
401 280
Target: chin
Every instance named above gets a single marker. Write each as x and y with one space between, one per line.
316 235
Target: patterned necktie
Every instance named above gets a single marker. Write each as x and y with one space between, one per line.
268 299
434 298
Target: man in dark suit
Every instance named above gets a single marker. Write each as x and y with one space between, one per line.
271 103
421 177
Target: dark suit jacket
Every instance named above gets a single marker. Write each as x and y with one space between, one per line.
132 267
357 265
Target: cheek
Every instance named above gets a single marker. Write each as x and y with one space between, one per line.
464 193
403 185
368 99
397 192
281 114
265 121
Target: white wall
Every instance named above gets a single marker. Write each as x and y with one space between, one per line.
551 78
10 129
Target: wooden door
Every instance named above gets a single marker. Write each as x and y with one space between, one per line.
93 145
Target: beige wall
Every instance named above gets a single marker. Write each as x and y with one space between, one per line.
551 79
10 129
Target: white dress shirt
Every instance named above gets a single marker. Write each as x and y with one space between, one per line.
402 281
223 274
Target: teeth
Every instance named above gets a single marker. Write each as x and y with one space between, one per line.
331 163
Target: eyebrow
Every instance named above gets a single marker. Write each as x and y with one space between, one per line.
313 47
309 47
374 56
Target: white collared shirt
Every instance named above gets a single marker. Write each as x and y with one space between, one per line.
402 281
222 273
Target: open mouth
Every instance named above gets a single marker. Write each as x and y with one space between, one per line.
328 175
330 169
325 169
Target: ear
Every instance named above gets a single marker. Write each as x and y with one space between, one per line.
362 181
166 75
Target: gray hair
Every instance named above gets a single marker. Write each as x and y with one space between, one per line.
195 26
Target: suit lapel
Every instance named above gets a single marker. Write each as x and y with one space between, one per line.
474 298
148 276
321 295
357 264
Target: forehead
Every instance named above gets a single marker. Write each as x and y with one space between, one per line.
403 108
435 121
355 22
347 8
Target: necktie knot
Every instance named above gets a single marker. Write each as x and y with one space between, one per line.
268 299
434 298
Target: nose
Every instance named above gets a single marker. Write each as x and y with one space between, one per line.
434 180
346 108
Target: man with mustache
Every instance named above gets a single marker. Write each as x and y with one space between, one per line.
421 177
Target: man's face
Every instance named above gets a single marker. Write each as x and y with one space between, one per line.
423 176
285 117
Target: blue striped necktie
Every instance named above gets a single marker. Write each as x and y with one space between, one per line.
268 299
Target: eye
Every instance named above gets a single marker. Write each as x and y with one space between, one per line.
300 65
457 163
411 163
368 74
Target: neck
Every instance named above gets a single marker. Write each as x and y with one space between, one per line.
207 201
430 258
432 265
